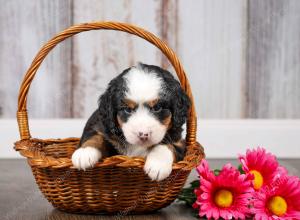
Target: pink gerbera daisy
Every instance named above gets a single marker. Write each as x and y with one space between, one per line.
279 201
223 196
261 164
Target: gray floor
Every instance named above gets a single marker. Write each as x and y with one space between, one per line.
21 199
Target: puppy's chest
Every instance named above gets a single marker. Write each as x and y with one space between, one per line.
136 151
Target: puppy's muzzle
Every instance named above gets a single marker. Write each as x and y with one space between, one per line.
144 136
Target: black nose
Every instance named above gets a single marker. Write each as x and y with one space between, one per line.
143 136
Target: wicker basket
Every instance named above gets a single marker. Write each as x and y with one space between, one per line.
116 184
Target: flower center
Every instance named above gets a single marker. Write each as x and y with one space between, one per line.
223 198
277 205
258 179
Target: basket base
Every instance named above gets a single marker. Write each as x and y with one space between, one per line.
117 187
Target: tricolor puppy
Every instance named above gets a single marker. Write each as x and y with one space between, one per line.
140 114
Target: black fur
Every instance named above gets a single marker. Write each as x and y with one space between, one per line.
110 102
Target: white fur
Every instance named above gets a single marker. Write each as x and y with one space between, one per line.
142 86
143 121
159 162
136 151
85 157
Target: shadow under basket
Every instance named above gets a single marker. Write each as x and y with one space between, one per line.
116 184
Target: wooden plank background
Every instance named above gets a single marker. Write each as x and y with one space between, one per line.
273 55
242 57
24 28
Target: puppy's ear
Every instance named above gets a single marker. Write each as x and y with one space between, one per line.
181 105
107 111
109 102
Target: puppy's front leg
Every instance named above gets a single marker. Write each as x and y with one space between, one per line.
89 152
159 162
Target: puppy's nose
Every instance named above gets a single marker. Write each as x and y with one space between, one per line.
143 136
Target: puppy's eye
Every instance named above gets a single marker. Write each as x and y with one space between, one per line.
156 108
127 110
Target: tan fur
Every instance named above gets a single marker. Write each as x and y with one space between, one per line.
97 142
152 102
120 122
167 121
94 141
131 104
180 143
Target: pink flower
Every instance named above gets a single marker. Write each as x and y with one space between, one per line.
224 196
280 200
262 165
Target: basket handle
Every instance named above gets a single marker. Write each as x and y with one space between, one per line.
22 115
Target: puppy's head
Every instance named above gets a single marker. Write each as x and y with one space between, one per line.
143 104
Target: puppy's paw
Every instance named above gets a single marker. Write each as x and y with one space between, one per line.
85 157
159 162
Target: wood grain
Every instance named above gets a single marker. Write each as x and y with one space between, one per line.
167 20
241 57
100 56
273 70
26 27
212 48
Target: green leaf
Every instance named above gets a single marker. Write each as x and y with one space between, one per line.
187 194
195 183
217 172
240 168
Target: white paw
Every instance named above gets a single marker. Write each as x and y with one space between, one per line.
85 157
159 162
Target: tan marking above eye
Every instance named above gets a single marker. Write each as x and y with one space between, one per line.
152 103
131 104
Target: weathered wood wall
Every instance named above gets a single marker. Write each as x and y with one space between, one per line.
242 57
25 26
273 56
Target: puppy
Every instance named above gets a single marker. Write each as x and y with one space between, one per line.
140 114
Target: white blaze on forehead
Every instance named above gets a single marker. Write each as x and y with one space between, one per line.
142 86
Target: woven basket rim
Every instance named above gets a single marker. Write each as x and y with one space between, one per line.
36 157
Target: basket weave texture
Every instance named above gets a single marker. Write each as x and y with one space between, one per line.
116 184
